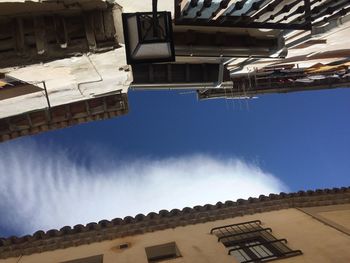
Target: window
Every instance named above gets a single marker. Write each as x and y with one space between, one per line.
162 252
249 242
94 259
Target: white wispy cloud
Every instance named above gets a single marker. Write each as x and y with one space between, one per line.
44 188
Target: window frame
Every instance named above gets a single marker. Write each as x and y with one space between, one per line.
249 242
162 256
91 259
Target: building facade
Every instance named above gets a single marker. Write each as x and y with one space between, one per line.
312 226
54 54
62 63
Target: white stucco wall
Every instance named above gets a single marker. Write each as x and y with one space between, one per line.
68 80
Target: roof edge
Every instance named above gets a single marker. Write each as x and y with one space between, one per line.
78 235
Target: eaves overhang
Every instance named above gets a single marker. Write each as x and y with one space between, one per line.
78 235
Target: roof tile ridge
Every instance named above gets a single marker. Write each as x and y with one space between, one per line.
117 222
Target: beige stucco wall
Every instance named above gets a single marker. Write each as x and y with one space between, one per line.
319 242
341 217
337 216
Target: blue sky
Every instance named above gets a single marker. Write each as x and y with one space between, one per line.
286 142
303 138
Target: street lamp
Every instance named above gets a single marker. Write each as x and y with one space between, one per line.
148 36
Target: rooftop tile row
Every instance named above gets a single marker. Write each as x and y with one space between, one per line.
68 236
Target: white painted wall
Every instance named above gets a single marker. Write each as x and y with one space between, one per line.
68 80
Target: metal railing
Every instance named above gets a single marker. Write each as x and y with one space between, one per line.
249 242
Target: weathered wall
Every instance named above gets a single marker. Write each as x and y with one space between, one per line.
16 7
335 43
63 116
319 242
72 46
39 32
68 80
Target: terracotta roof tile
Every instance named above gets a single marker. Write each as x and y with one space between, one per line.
106 230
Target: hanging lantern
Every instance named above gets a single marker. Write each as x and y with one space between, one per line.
148 37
